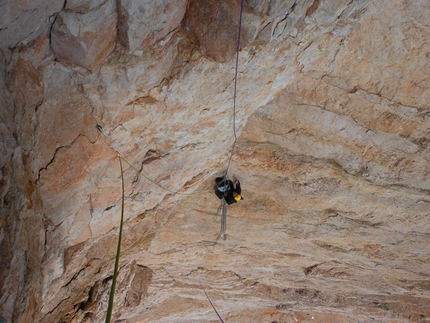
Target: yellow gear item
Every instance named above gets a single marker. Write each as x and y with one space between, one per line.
238 197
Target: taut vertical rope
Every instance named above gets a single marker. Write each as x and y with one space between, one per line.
224 204
235 89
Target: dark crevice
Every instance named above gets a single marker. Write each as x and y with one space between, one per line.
49 163
150 156
346 8
58 305
264 27
308 270
228 85
52 20
75 276
57 150
153 155
276 27
109 208
283 19
106 280
313 8
294 6
122 26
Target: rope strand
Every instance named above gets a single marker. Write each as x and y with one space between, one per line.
100 129
235 90
118 249
224 205
208 298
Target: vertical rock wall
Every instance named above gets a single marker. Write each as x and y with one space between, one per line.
332 102
21 223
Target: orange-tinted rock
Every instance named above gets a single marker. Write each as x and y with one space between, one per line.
27 89
23 21
85 39
332 154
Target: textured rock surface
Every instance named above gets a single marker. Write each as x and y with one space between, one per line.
333 155
214 24
83 37
144 23
21 22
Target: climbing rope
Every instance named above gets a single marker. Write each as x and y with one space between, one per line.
153 181
118 251
210 301
223 206
225 176
222 210
235 90
100 129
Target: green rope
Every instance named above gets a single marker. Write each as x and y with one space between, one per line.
118 251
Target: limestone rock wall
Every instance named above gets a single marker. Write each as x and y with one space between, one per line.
333 124
21 222
84 38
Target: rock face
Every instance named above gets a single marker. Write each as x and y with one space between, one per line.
21 22
214 27
84 37
144 23
333 128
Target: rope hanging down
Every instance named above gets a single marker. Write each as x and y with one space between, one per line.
224 206
118 250
208 298
222 210
235 90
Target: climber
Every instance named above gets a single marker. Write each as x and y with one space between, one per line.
225 189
